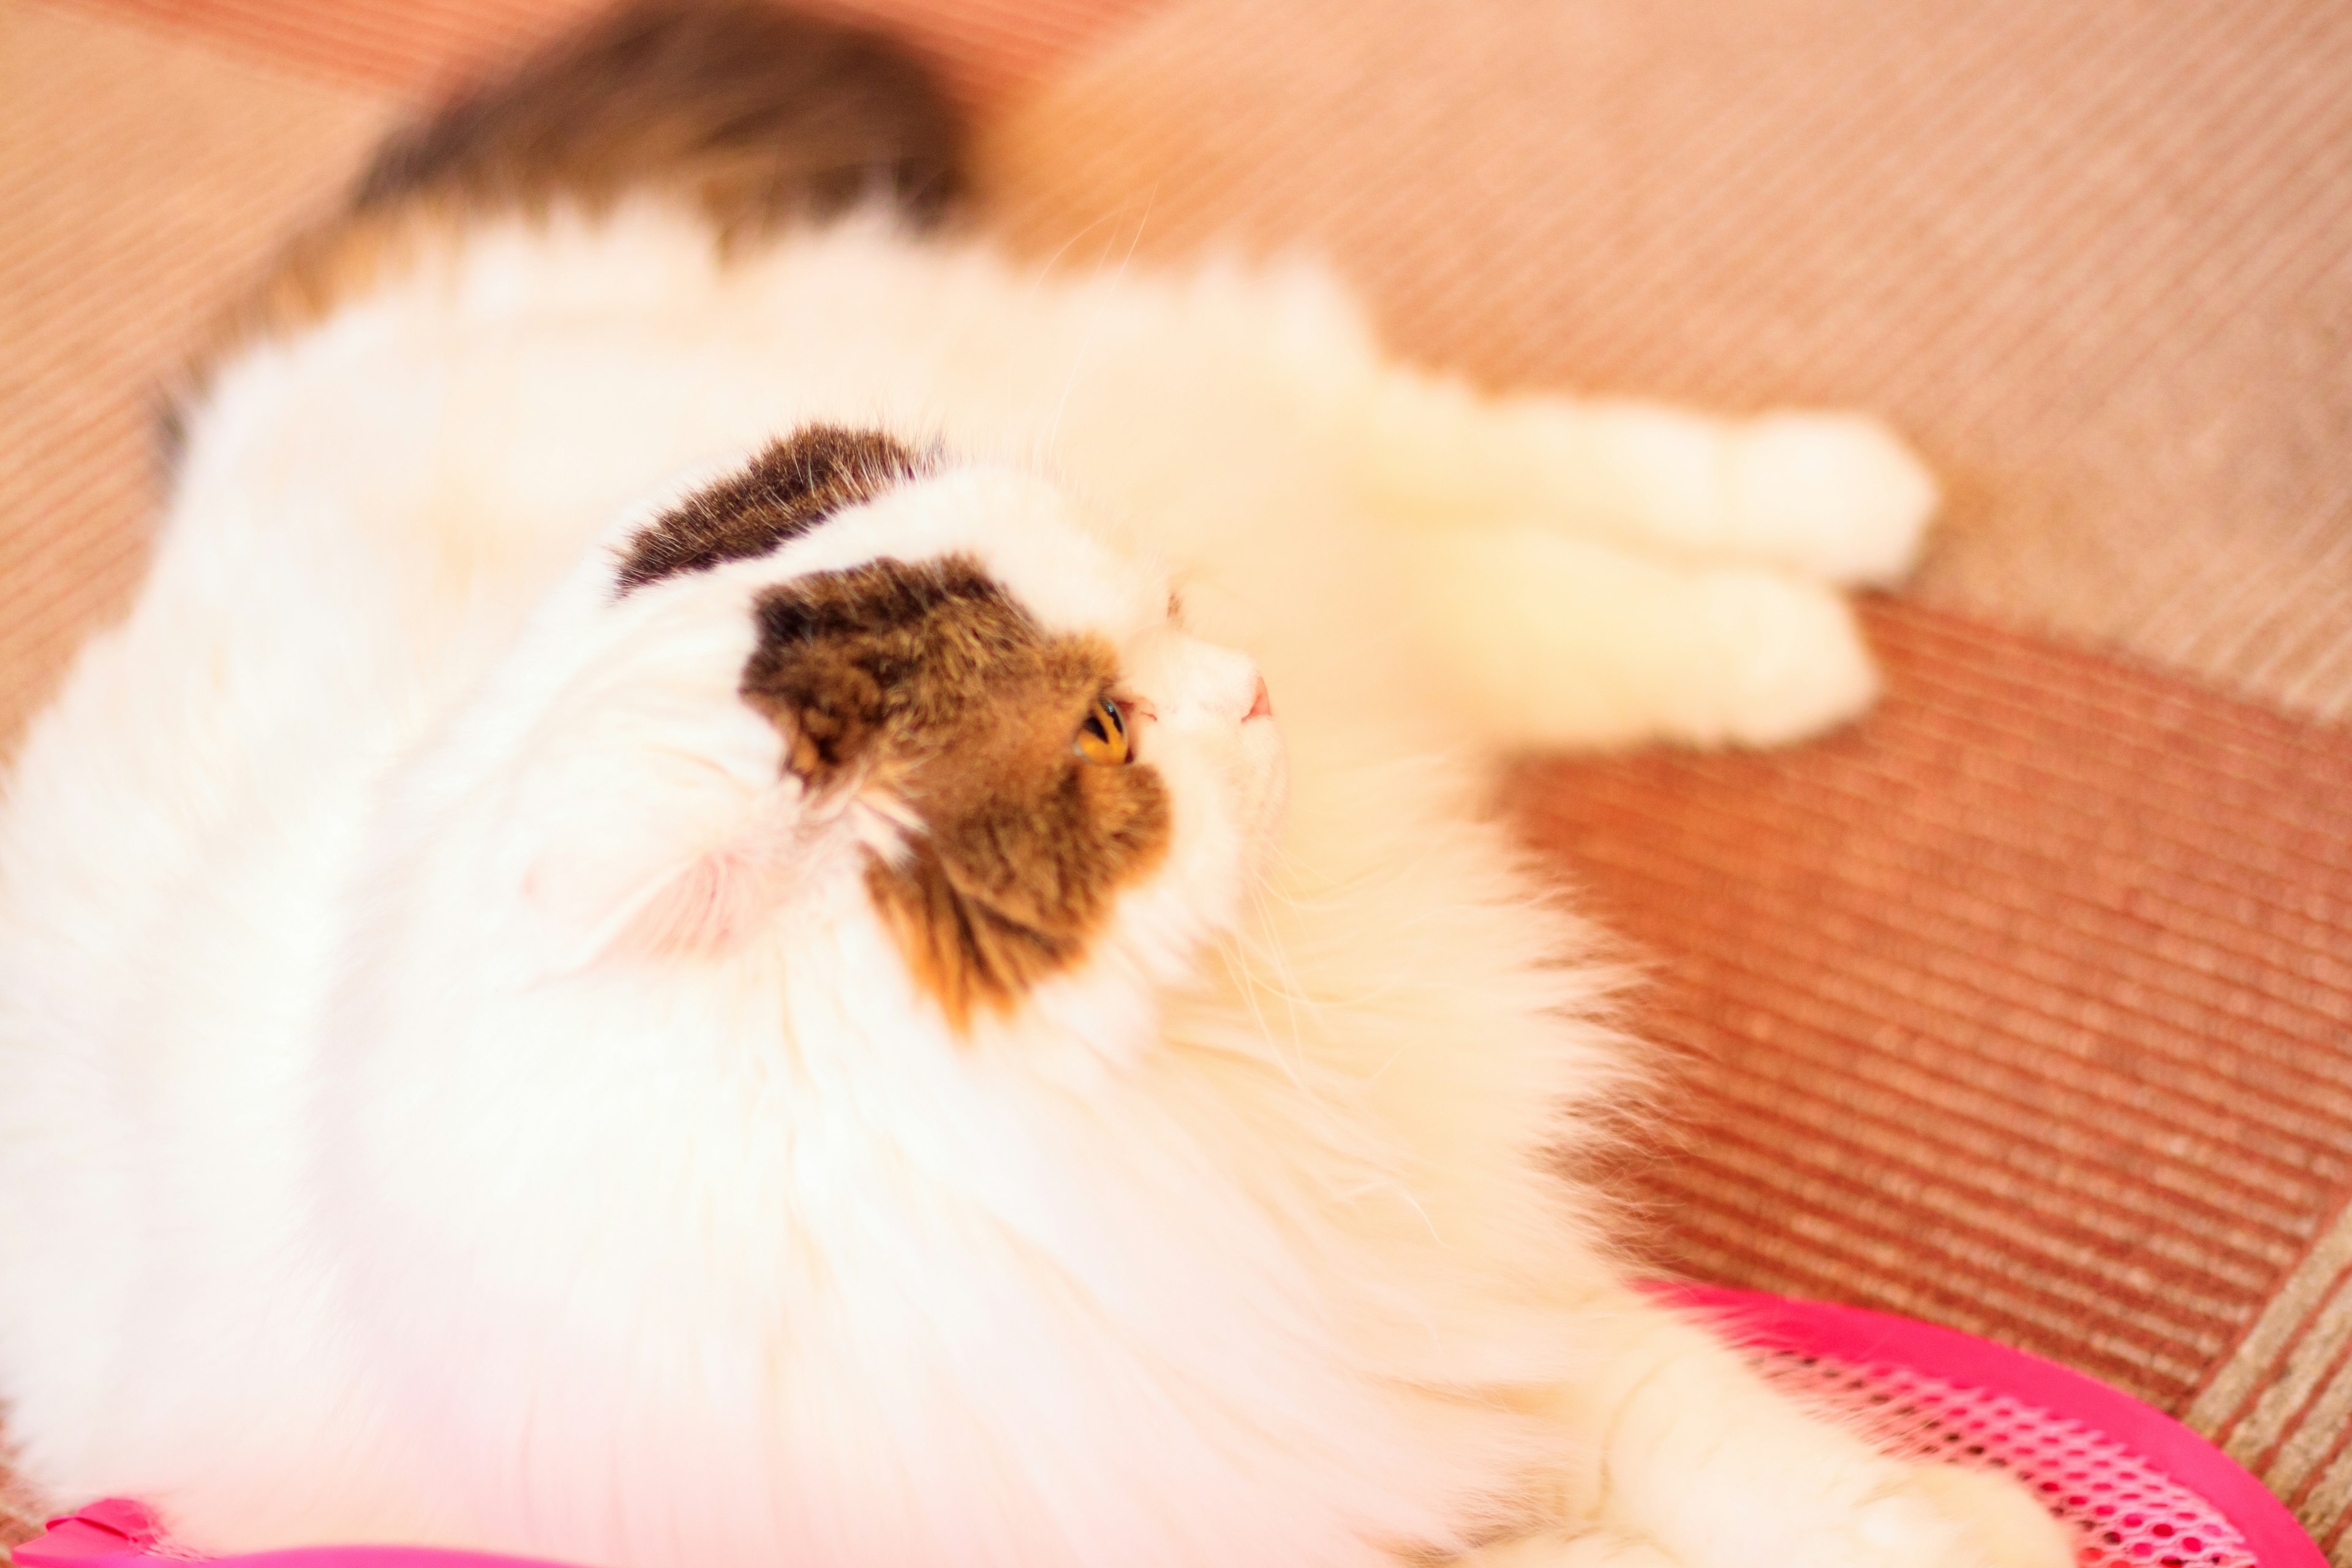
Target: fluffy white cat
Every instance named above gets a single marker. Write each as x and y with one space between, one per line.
753 891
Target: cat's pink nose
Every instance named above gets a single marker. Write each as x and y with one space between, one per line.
1262 705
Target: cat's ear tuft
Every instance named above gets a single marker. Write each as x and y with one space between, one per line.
651 852
604 899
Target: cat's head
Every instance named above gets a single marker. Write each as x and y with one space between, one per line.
855 684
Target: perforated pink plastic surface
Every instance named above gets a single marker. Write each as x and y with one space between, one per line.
2140 1489
2128 1514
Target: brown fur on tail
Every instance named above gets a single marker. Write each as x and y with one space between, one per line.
762 115
758 115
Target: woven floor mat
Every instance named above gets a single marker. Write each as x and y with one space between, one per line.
2023 1006
2096 260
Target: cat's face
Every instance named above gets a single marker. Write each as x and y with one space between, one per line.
850 683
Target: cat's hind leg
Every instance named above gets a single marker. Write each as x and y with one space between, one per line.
1836 496
1551 641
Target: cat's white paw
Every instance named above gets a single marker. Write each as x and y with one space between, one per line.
1559 642
1940 1515
1836 496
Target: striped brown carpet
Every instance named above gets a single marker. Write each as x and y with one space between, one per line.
2023 1006
2027 1005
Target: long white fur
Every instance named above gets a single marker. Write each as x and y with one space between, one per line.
456 1090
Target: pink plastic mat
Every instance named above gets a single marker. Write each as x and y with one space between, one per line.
2140 1489
121 1533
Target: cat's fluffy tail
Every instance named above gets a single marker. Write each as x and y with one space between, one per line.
762 115
757 116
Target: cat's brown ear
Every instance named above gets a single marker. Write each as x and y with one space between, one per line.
792 486
869 667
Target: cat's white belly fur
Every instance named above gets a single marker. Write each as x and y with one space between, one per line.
626 1289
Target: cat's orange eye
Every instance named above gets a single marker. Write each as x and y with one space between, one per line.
1103 737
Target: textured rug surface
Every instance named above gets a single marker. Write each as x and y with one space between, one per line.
2024 1009
2026 1005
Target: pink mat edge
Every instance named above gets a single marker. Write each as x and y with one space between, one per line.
1856 1335
115 1534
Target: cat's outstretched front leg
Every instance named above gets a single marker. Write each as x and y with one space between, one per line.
1675 1441
1558 642
1606 573
1834 496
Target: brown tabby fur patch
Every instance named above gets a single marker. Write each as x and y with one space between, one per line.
759 115
790 488
929 684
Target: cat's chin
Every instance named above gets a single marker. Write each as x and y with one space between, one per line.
1265 794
